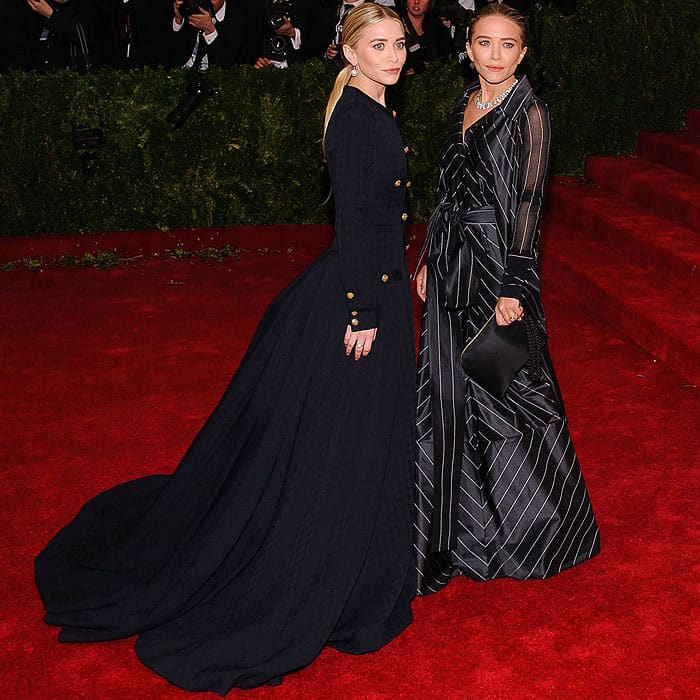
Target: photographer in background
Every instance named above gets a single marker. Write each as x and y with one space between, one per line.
455 16
208 32
62 34
13 45
325 22
427 38
150 36
274 31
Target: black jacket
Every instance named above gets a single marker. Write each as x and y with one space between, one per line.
434 43
226 50
152 37
72 38
367 165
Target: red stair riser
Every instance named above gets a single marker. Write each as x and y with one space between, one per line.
675 196
585 216
661 148
693 122
560 275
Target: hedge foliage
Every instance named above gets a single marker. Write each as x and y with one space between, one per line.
252 154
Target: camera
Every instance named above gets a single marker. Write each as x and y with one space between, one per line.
198 88
276 47
276 21
192 7
279 9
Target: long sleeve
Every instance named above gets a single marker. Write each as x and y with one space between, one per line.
534 162
64 20
350 150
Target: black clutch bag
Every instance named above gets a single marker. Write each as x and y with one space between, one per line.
496 353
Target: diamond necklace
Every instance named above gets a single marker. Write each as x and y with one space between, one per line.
495 101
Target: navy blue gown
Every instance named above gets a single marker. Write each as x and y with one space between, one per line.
287 525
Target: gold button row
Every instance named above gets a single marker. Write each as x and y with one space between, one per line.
398 183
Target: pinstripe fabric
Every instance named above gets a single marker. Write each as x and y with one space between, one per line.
499 488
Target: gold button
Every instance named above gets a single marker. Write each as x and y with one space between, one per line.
385 278
408 183
397 183
353 313
406 149
354 322
393 113
350 295
404 217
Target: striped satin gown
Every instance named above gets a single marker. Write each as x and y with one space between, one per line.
499 488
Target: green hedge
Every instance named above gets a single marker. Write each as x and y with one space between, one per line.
252 153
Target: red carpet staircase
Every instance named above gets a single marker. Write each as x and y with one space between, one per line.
625 246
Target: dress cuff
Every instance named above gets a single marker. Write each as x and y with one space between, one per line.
512 291
362 319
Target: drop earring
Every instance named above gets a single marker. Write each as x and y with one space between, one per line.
353 72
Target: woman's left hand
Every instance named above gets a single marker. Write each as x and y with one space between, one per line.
508 310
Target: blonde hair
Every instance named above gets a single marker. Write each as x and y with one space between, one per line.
355 23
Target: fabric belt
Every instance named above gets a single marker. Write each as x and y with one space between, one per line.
452 286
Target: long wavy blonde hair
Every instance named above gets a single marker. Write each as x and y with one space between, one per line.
355 23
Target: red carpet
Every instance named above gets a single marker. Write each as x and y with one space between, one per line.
108 374
625 246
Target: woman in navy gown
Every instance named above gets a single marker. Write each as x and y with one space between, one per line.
499 488
287 526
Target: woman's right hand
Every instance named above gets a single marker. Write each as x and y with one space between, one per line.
41 7
359 343
421 279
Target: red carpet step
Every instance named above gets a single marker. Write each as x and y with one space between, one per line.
625 247
627 297
677 151
665 248
692 123
672 194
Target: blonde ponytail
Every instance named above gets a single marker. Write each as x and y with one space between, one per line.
355 23
342 79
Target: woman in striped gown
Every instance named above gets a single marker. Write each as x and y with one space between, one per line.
499 488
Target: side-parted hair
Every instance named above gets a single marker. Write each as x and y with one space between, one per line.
494 8
355 23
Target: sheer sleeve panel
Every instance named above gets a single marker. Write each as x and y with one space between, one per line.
536 135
